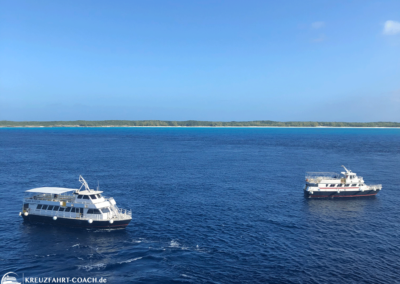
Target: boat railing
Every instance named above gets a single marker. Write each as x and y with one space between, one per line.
50 198
375 186
321 175
123 214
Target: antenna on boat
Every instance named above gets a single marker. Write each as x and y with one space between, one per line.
84 183
346 169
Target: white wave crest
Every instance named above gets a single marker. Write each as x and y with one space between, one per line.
98 266
130 260
174 244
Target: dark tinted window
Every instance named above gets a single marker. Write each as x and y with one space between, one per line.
346 184
94 211
50 207
105 210
98 195
62 208
68 209
86 197
93 196
332 185
72 209
56 208
81 210
44 207
80 196
39 206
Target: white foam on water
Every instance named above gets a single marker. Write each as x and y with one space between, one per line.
130 260
77 245
174 244
98 266
47 255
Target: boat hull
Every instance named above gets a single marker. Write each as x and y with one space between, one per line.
68 222
341 194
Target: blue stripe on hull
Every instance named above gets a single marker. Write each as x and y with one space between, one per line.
335 194
31 218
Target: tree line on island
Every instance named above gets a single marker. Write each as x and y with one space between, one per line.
192 123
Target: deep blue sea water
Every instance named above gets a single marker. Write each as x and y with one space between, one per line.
210 205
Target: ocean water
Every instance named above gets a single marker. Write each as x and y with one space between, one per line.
210 205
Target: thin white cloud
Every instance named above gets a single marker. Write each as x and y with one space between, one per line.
320 38
318 25
391 28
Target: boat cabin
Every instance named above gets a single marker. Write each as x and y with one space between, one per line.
69 203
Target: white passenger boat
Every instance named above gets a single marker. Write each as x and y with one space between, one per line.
83 207
348 184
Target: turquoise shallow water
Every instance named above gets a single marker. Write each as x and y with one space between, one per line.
210 205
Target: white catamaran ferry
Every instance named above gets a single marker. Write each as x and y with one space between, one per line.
73 207
320 185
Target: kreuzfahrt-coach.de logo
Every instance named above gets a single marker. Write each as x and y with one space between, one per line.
10 278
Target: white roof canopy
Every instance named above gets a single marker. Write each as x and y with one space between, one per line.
85 192
51 190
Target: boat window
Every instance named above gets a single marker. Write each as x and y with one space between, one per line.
85 197
56 208
105 210
332 185
346 185
81 210
90 211
96 211
62 209
50 207
44 207
98 196
354 185
68 209
39 206
93 196
80 196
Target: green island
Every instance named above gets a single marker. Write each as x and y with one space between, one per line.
191 123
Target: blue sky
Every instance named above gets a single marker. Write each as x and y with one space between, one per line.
202 60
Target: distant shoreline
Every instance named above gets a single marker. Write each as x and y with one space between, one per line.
195 123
